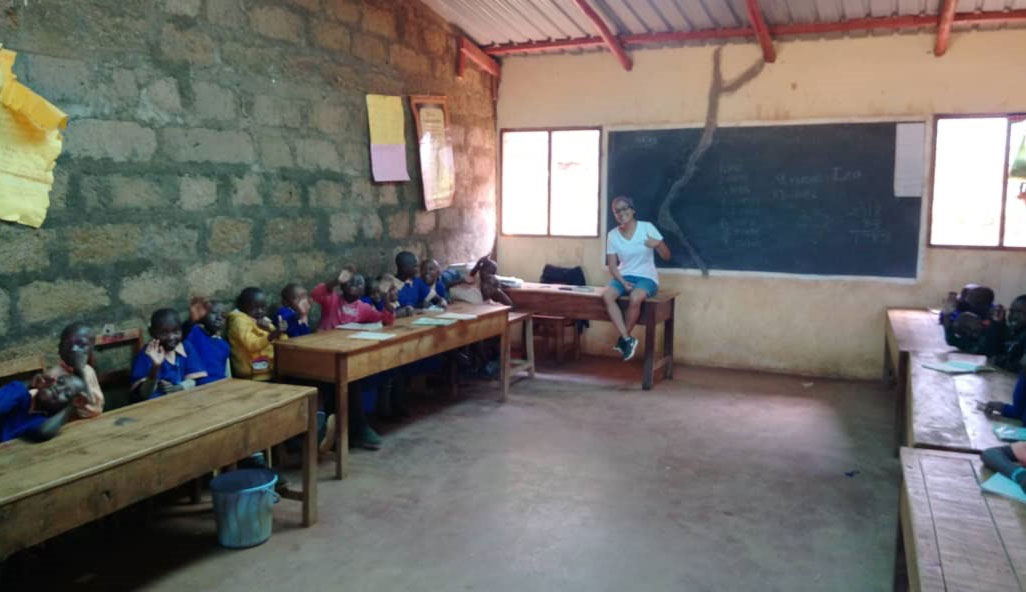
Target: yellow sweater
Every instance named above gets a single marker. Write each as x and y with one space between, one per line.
252 354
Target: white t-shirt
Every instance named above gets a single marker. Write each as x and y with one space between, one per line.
635 258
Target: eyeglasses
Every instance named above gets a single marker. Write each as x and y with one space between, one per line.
621 210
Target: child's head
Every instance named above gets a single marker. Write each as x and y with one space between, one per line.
406 265
388 286
213 321
485 267
166 328
76 345
58 392
429 271
198 308
374 290
292 294
253 302
1017 314
354 289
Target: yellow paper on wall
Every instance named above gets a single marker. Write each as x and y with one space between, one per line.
385 114
30 142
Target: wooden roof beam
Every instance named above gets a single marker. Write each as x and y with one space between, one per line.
607 36
761 31
468 50
947 18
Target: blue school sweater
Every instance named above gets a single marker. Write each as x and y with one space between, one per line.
423 289
1017 410
376 305
409 294
15 418
187 365
213 354
291 318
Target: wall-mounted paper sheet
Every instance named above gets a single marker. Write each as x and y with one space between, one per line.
909 155
30 142
387 138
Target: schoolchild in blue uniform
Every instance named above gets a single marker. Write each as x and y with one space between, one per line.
166 364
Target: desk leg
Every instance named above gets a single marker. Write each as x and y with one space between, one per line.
504 346
668 347
529 344
341 419
647 374
310 465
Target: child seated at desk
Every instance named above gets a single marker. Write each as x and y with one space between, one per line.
1008 460
430 288
969 321
339 308
406 272
38 410
295 310
75 350
166 364
373 295
251 336
1012 353
205 338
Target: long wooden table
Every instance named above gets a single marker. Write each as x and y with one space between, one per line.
97 466
908 330
942 411
564 301
955 536
336 357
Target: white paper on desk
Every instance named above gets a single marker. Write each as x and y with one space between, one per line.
909 156
360 326
459 316
433 322
372 336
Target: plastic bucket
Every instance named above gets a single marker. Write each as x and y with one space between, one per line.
242 506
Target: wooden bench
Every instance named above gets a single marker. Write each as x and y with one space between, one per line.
526 322
336 357
572 303
908 330
95 467
132 338
955 536
942 411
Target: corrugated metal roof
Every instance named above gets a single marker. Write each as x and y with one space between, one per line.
489 22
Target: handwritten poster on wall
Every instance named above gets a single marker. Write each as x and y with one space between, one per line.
437 168
387 138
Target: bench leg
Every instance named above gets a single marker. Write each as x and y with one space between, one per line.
310 465
647 374
668 347
529 345
504 345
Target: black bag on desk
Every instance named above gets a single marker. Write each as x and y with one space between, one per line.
571 276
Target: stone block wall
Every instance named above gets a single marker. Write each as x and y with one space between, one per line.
215 144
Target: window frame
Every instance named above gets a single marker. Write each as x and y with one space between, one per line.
1004 195
548 201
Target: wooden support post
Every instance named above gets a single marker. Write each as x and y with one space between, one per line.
761 31
947 18
607 36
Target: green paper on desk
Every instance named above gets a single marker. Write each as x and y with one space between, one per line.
1009 433
1004 486
434 322
957 367
458 316
372 336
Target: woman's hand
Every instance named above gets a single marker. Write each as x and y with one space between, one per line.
627 285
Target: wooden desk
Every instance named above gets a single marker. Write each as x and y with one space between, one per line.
942 410
956 537
335 357
549 299
97 466
908 330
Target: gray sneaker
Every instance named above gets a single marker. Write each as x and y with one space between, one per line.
630 346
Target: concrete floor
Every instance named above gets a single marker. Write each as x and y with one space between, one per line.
718 480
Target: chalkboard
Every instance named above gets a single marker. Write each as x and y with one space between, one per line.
802 199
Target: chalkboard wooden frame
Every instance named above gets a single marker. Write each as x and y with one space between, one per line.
921 243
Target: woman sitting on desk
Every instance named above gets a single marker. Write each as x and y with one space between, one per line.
630 259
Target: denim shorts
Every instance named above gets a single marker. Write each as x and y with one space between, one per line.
645 284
